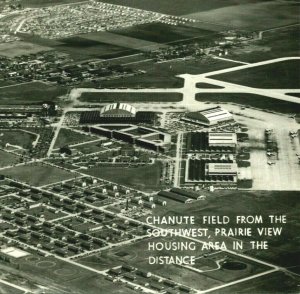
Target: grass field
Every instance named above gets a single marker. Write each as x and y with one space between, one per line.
163 75
69 137
163 33
144 178
67 278
178 7
284 249
92 48
5 289
18 48
37 174
278 282
252 15
207 86
252 100
278 75
131 97
18 138
123 41
30 93
8 159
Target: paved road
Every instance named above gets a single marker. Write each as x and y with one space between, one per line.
189 89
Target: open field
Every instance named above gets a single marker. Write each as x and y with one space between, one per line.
212 275
178 7
278 75
273 283
123 41
16 137
143 178
62 277
18 48
92 48
153 32
8 159
69 137
5 289
275 44
283 250
256 15
89 148
163 75
37 174
131 97
30 93
251 100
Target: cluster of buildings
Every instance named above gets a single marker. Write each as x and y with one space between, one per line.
58 68
62 21
118 113
142 136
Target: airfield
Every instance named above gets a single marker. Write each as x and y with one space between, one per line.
74 203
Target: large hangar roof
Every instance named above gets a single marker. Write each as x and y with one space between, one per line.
211 115
118 108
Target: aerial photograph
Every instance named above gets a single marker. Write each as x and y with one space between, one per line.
149 146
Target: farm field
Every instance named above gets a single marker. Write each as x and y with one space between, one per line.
278 75
178 7
163 33
18 48
37 174
254 15
144 178
7 159
30 93
69 137
251 100
131 97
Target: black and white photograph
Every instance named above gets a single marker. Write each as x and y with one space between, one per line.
149 146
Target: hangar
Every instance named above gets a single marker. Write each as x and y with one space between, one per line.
209 117
118 110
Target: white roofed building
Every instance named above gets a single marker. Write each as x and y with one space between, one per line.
222 169
118 110
209 117
222 139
